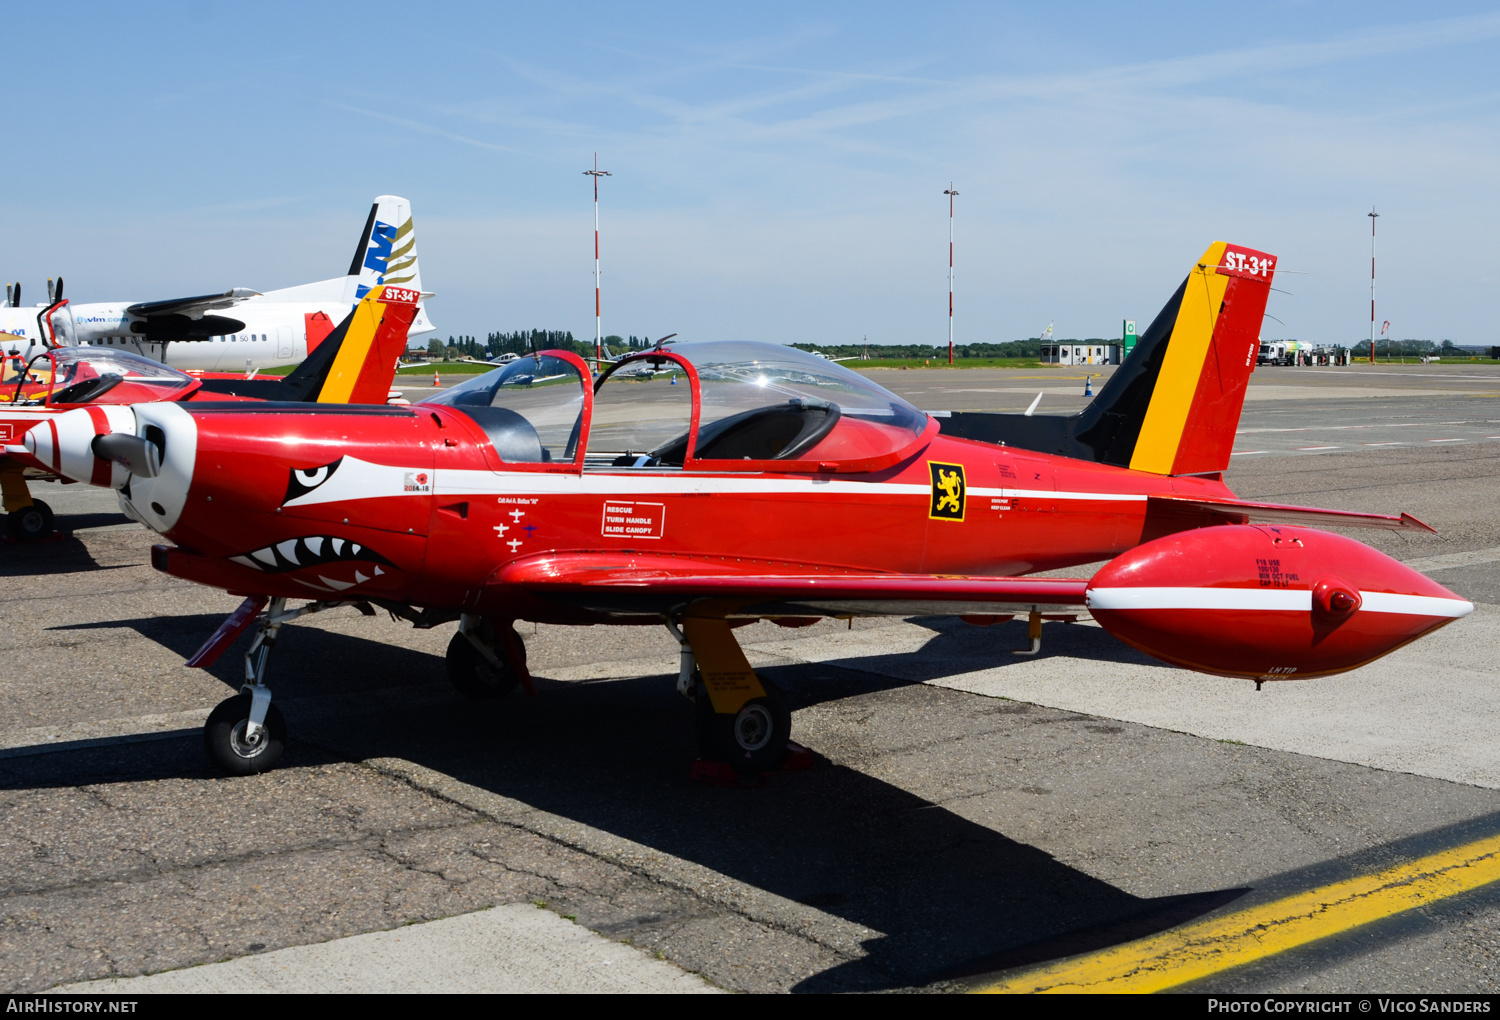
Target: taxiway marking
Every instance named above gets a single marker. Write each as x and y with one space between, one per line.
1195 951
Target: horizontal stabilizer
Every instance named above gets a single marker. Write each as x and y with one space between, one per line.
1279 513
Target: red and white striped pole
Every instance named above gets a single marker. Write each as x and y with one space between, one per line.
596 173
951 195
1373 217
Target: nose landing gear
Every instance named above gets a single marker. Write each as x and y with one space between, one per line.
246 734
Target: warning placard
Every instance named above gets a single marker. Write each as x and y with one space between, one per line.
628 519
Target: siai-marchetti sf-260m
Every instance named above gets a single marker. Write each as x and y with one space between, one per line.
706 483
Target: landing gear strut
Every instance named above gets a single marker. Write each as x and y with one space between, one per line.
246 734
27 519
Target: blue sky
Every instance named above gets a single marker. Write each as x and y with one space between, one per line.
778 168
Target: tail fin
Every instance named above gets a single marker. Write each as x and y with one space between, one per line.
356 364
1184 396
387 250
1172 407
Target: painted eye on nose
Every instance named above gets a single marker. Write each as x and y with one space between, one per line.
305 480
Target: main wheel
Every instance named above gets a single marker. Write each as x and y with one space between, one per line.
224 738
30 523
753 739
474 675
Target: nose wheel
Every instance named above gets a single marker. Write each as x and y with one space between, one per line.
236 746
245 734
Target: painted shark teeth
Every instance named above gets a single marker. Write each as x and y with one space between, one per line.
311 551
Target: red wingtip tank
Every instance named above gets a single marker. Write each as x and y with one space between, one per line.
1268 603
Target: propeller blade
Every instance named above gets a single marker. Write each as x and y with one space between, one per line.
50 298
59 288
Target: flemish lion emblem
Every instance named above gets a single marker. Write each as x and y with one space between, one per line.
948 491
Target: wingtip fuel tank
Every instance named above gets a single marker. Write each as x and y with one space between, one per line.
1266 602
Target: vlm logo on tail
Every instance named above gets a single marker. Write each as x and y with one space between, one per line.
388 252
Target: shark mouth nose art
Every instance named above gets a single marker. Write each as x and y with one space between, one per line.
313 551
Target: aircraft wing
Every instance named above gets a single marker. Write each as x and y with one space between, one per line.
1280 513
631 584
192 307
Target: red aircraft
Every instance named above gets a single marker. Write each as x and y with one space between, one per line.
355 363
765 484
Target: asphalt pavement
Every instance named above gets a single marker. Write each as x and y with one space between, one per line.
972 817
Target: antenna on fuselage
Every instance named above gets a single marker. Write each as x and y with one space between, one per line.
1035 402
664 340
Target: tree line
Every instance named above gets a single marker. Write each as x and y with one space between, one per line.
523 341
1030 348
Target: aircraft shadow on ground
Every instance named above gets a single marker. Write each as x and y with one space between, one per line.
63 555
956 647
305 663
947 896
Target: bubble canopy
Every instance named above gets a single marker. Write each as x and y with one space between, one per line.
763 406
707 405
91 375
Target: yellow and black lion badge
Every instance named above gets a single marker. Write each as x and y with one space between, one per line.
948 491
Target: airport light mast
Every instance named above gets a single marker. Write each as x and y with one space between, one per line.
596 173
1373 217
951 196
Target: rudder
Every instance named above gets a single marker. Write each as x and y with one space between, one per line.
1195 405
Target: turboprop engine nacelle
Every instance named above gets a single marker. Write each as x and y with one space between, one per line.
1266 602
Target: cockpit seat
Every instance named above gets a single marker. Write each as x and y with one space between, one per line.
513 437
778 432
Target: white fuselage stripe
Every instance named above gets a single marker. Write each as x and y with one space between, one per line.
479 483
358 479
1268 599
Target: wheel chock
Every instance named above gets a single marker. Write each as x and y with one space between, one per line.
56 536
719 773
797 758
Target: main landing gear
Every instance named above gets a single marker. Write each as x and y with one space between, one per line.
27 519
30 523
487 660
742 720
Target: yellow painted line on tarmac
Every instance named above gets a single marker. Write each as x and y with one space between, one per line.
1195 951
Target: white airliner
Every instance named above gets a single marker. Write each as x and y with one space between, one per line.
239 330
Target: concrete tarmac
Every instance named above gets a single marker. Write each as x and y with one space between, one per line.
971 811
